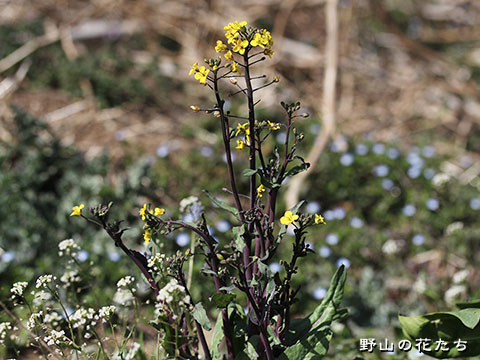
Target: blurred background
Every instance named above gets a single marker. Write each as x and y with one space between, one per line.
94 107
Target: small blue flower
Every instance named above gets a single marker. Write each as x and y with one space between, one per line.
429 173
319 293
8 256
329 215
206 151
114 256
313 207
428 151
393 153
361 149
223 226
414 172
339 213
378 148
418 239
347 159
409 210
381 170
387 184
281 137
475 203
432 204
182 239
356 223
415 160
324 251
343 261
275 267
83 255
163 151
331 239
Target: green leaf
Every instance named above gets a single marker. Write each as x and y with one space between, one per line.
238 232
222 204
297 206
463 324
200 315
222 300
471 304
297 169
249 172
309 337
217 337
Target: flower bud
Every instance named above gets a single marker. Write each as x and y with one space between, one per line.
276 79
195 108
305 115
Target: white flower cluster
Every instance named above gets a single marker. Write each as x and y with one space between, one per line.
44 280
83 317
157 262
55 337
52 318
127 355
123 297
106 312
18 288
125 282
41 298
32 321
68 247
171 292
4 327
70 277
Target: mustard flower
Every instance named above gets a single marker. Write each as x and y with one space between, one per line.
147 236
221 47
260 190
143 212
232 30
229 56
77 210
242 128
159 212
256 41
239 46
319 219
273 126
193 69
240 144
235 68
288 218
269 52
201 74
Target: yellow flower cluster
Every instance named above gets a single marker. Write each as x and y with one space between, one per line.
273 126
260 190
232 30
243 129
201 73
147 235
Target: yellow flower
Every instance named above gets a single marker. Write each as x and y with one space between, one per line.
229 56
143 211
235 68
232 30
215 67
147 236
268 52
159 212
319 219
242 128
239 46
201 74
195 108
288 218
260 190
193 69
221 47
276 79
266 39
273 126
77 210
256 41
240 144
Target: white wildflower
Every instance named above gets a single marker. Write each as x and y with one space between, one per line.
68 247
123 297
41 298
460 276
127 355
18 288
390 247
82 317
70 277
4 327
453 294
52 318
440 179
34 318
44 280
106 312
55 337
453 227
125 281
